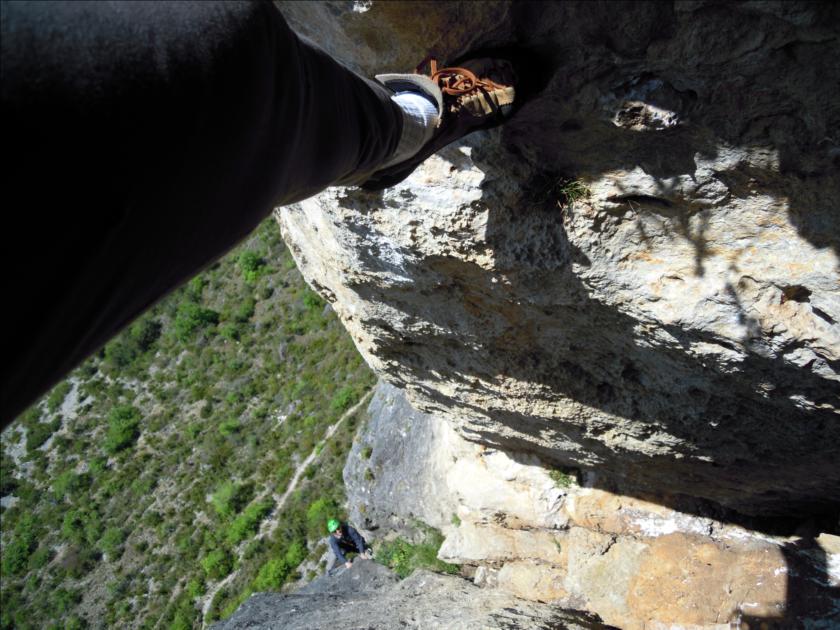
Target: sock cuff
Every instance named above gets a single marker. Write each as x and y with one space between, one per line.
420 119
414 83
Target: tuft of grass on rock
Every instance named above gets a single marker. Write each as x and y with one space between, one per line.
404 557
568 191
562 479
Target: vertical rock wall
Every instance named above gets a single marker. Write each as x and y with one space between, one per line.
676 328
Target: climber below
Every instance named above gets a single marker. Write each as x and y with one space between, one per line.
345 538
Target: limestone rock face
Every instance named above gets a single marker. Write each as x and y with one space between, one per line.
369 596
409 465
634 563
676 328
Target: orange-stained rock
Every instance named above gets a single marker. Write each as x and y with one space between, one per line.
603 511
685 579
532 580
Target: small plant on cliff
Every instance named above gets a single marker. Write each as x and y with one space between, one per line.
404 557
123 428
561 479
547 191
569 191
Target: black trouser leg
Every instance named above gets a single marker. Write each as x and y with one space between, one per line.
145 139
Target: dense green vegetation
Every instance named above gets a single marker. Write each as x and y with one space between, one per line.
155 469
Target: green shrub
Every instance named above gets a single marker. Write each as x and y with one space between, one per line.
152 518
75 623
73 526
344 398
40 558
195 288
196 587
98 465
15 556
252 265
271 575
229 427
295 554
8 483
68 484
144 333
367 451
230 331
122 351
284 475
142 486
246 524
217 564
234 604
192 318
229 497
39 432
77 561
245 310
253 548
312 300
112 541
404 557
123 428
88 370
274 572
119 354
181 621
57 396
63 600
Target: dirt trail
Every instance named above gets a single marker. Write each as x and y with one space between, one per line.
268 526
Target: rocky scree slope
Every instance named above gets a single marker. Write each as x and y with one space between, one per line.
676 328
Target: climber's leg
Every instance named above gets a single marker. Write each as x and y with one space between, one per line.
331 561
146 139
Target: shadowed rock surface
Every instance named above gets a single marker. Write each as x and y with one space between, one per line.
676 330
368 596
636 564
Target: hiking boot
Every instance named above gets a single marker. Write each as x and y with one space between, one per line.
476 94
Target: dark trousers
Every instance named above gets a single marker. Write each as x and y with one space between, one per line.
141 141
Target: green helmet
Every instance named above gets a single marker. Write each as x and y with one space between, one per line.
333 525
